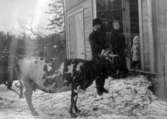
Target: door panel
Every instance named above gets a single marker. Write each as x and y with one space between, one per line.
80 35
146 35
72 38
76 35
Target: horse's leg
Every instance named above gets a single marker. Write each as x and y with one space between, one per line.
76 91
72 102
14 91
28 95
21 89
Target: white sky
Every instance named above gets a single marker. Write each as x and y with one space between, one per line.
14 14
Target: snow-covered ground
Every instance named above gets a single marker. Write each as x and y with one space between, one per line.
128 98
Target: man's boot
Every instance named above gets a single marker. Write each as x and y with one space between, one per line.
105 90
101 90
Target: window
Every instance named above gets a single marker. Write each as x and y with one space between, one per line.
108 10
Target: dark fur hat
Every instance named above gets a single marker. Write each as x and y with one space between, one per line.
97 21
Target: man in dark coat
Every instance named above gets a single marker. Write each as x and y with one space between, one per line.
97 41
118 46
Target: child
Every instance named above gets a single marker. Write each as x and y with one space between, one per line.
136 52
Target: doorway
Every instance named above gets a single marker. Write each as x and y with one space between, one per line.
127 13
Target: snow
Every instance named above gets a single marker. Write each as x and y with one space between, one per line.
128 98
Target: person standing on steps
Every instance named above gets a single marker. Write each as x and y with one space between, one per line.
97 41
118 47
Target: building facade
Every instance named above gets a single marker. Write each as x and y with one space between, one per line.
145 18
